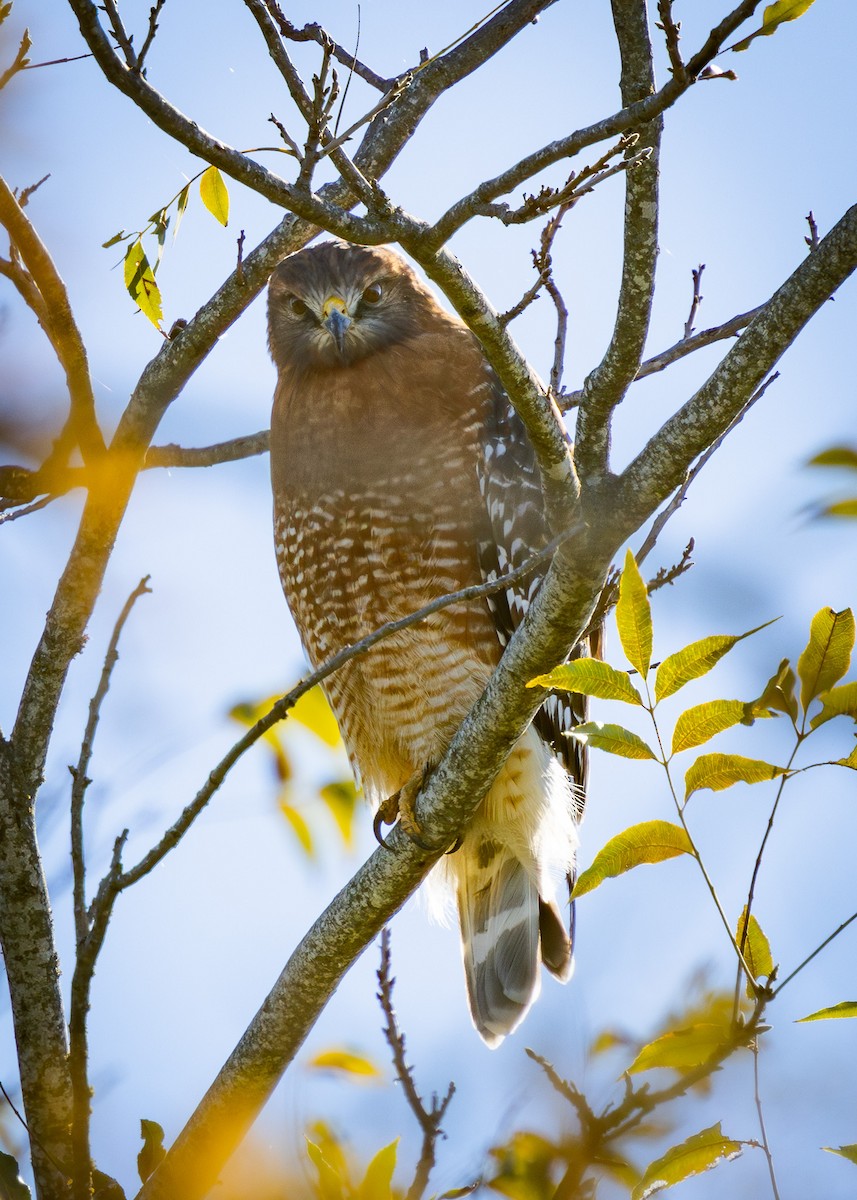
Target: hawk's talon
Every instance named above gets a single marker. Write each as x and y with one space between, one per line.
377 822
401 806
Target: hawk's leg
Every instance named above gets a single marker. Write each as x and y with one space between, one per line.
401 807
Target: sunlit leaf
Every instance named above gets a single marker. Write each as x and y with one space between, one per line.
700 723
828 653
378 1180
850 761
779 694
699 1153
330 1183
213 193
299 827
314 713
848 1008
613 738
347 1062
117 237
525 1163
249 712
608 1039
696 659
775 15
719 771
141 284
682 1049
649 842
153 1152
331 1145
849 1152
755 947
592 677
838 702
12 1186
634 617
839 508
342 800
836 456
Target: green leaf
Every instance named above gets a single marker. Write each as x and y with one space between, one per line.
153 1151
719 771
213 193
779 694
329 1181
141 284
299 827
378 1180
347 1062
828 653
838 702
649 842
12 1186
848 1008
682 1049
314 713
697 659
699 1153
755 947
117 237
700 723
341 798
592 677
849 1152
634 617
613 738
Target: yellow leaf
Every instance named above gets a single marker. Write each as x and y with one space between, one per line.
378 1180
299 827
700 723
341 800
828 653
696 659
682 1049
755 947
849 1152
699 1153
347 1062
213 193
612 738
649 842
591 677
838 702
314 713
848 1008
329 1181
141 284
719 771
634 617
775 15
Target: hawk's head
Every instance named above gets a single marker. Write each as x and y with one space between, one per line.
333 304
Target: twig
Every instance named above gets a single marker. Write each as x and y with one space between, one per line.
19 63
672 35
695 302
816 951
350 76
287 138
154 13
758 1097
315 33
119 34
812 240
558 365
428 1119
55 62
239 264
20 1117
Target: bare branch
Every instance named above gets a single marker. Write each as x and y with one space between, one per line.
55 315
428 1119
123 41
812 240
154 13
672 36
816 951
315 33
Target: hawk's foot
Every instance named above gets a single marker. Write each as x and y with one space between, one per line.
401 807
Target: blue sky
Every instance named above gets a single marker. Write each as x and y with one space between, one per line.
194 948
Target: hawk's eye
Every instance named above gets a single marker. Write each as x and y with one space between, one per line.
297 306
373 293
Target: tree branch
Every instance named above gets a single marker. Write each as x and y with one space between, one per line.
608 384
660 467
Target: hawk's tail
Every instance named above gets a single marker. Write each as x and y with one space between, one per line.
520 842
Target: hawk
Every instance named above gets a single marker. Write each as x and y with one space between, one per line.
401 473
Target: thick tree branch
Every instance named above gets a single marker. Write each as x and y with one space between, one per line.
56 318
661 466
608 384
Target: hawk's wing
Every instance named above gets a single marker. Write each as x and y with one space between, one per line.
510 483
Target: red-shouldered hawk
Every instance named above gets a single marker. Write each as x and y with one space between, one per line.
401 473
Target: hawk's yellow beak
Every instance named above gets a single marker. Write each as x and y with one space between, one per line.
335 319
